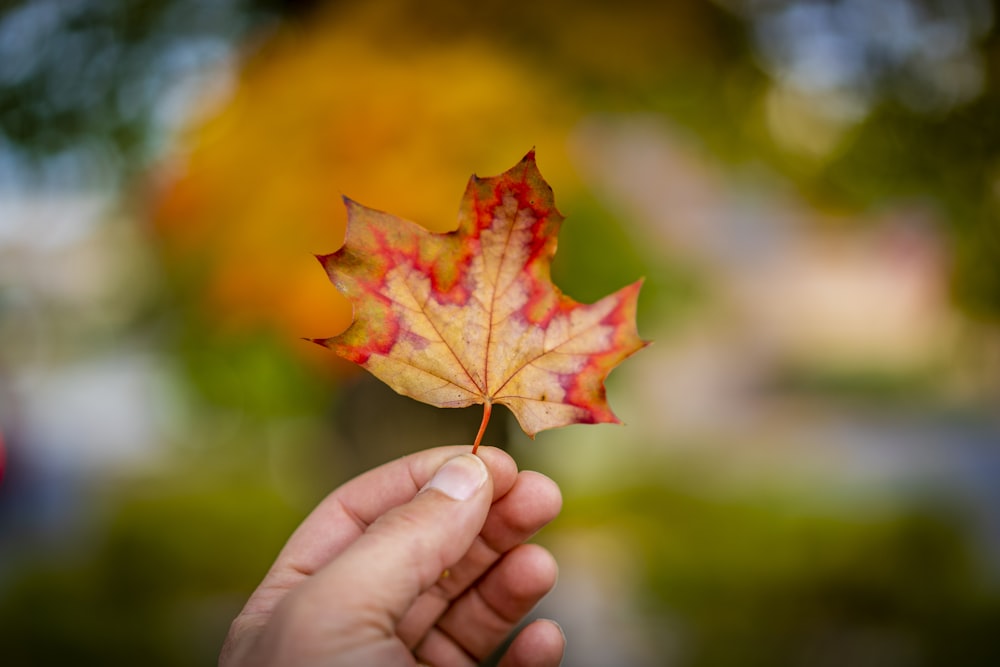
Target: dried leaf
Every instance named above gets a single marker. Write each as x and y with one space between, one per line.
472 316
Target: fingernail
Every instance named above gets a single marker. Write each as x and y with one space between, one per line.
459 477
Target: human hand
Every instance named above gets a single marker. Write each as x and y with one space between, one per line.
360 581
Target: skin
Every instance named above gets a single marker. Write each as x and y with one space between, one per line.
420 561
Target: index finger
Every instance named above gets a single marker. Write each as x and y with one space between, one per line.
348 511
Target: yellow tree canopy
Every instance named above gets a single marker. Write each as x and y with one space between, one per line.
339 108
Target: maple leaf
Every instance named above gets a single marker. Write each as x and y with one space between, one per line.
472 316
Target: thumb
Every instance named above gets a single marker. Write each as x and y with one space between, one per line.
404 552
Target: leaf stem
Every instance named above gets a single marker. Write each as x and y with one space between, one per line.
487 409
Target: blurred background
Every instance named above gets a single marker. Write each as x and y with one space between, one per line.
810 471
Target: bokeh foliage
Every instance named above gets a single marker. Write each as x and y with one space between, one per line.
760 580
394 104
94 83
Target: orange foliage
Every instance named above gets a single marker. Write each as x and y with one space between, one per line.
340 108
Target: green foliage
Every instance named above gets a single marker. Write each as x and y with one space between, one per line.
775 578
160 584
596 254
